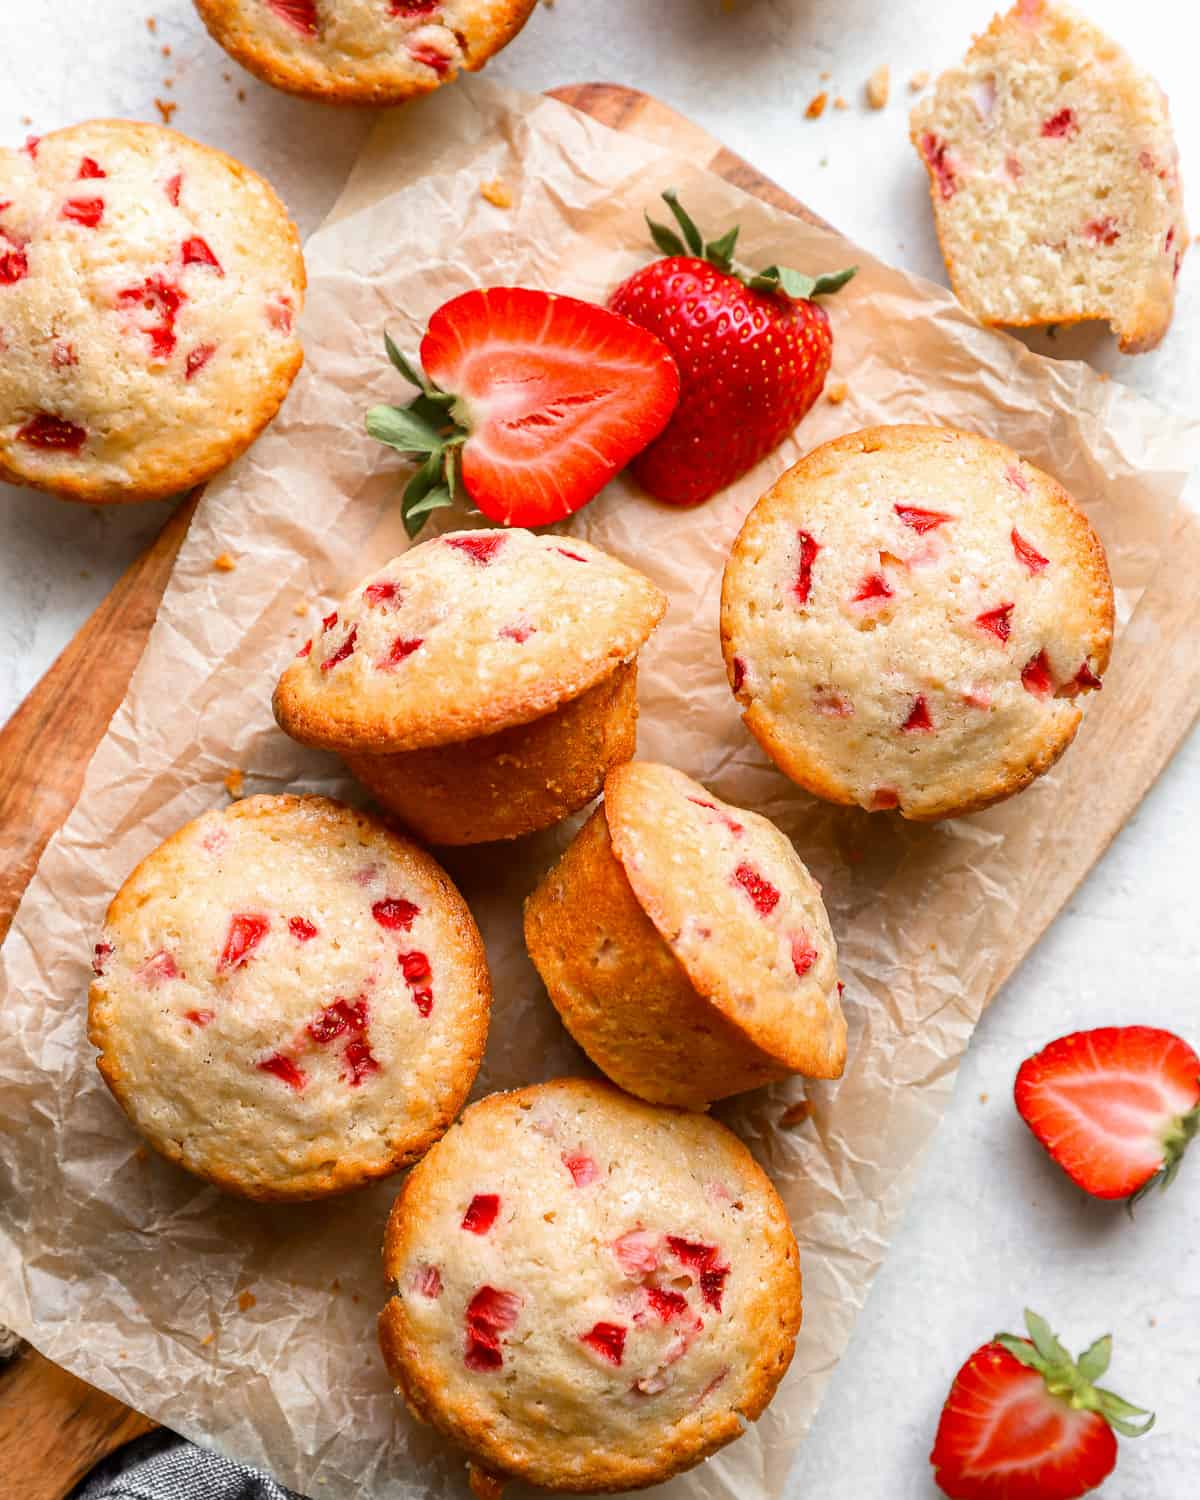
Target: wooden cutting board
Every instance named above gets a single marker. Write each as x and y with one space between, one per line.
54 1427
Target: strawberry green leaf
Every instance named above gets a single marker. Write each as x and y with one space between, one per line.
1121 1416
1020 1349
666 239
403 429
416 514
432 407
1044 1341
691 235
1093 1362
798 287
409 371
720 252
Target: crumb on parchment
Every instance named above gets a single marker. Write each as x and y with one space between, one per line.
235 782
836 392
224 562
247 1300
497 193
816 105
879 86
300 608
795 1114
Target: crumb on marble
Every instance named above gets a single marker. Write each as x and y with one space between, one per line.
151 25
983 1098
841 103
918 81
816 105
497 193
879 86
166 108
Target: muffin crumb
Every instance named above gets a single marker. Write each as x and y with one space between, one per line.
235 782
836 392
879 86
166 108
795 1114
497 193
224 562
816 105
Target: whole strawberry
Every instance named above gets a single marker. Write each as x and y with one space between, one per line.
753 351
1024 1421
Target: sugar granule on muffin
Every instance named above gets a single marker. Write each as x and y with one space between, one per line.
909 618
588 1292
686 946
149 290
289 999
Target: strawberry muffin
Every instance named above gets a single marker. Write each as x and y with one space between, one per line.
685 946
588 1292
1054 177
482 684
910 616
363 51
149 288
289 1000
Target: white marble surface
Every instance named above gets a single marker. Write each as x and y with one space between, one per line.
1127 949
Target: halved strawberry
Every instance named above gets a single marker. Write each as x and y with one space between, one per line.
753 350
532 401
1116 1108
1024 1421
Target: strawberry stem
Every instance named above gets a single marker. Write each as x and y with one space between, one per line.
1074 1381
1177 1138
779 280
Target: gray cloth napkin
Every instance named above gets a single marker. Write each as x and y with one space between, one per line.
162 1466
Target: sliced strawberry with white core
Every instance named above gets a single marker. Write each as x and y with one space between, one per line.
532 400
1116 1108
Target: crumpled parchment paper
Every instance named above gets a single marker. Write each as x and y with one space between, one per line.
252 1327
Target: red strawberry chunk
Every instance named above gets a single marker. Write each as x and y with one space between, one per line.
1028 555
280 313
736 828
921 520
301 15
427 1281
329 621
937 155
197 252
423 1000
346 649
430 57
162 300
582 1168
415 966
884 797
997 622
90 167
359 1061
761 891
1086 678
1102 231
85 211
197 358
637 1252
809 548
32 142
666 1304
804 955
574 556
306 649
385 591
739 674
1062 124
1035 676
874 586
518 633
52 433
480 549
63 356
284 1068
608 1341
832 705
489 1314
100 954
395 913
1014 476
481 1212
171 188
702 1259
918 721
159 968
414 7
246 931
301 929
712 1285
198 1017
400 650
334 1019
14 263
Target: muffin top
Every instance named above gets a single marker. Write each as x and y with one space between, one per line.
463 636
908 617
589 1292
149 288
731 898
362 51
289 999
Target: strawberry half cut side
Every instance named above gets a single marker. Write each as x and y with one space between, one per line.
530 402
1024 1421
1116 1108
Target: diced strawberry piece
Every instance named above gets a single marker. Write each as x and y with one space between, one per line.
481 1213
666 1304
518 633
920 520
583 1169
100 954
395 913
306 649
197 358
359 1061
884 797
483 1350
171 188
301 929
340 1016
284 1068
198 1017
489 1314
345 650
329 622
90 167
1012 165
481 549
1086 678
997 622
414 965
736 828
574 556
246 931
804 955
637 1252
702 1259
1029 556
414 7
1102 231
14 263
739 674
1014 476
427 1281
400 650
712 1285
978 697
809 548
52 433
873 586
280 313
608 1341
832 705
937 155
32 142
159 968
63 356
385 591
162 299
1062 124
761 891
918 721
423 1000
197 252
430 57
85 211
301 15
1035 676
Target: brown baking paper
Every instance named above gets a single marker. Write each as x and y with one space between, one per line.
252 1328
